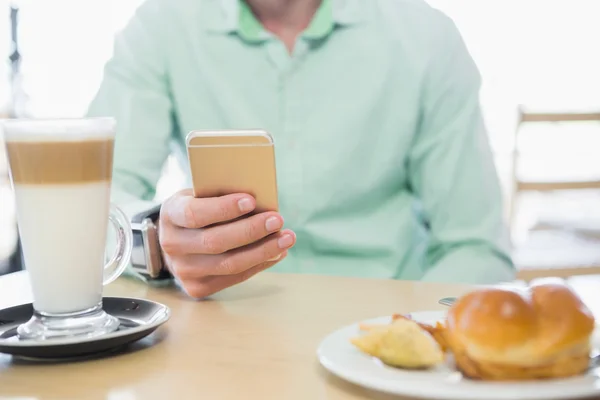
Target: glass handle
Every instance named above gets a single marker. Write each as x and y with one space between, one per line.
122 255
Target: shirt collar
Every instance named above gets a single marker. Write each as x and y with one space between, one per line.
236 16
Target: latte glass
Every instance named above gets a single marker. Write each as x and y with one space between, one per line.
61 171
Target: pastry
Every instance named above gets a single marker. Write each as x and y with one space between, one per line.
540 332
403 344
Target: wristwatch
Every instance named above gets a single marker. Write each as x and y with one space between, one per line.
146 256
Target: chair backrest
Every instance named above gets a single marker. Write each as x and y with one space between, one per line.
580 264
520 185
558 117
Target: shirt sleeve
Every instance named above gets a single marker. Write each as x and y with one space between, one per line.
452 173
135 91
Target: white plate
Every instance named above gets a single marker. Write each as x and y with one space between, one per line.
341 358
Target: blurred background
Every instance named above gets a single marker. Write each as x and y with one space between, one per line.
540 62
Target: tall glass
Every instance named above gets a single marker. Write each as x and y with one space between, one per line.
61 171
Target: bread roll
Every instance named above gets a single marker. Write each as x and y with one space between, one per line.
540 332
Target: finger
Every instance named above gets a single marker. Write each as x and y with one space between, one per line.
209 285
189 212
194 267
222 238
239 260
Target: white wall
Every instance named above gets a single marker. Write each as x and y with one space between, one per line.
64 46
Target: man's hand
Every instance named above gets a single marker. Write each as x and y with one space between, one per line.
209 248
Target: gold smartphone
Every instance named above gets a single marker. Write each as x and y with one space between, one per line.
235 161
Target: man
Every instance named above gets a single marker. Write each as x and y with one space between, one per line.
383 164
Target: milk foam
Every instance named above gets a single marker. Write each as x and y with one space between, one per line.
58 130
63 230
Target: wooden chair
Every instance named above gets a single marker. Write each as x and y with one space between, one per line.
585 264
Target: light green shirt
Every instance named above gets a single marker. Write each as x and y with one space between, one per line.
383 163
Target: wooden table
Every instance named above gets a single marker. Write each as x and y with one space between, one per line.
253 341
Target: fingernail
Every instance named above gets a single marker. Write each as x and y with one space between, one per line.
285 241
273 224
275 258
245 205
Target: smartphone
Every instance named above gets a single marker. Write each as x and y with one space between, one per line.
234 161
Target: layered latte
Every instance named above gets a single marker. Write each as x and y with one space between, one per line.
62 188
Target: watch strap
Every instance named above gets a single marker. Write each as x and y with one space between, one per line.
151 213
